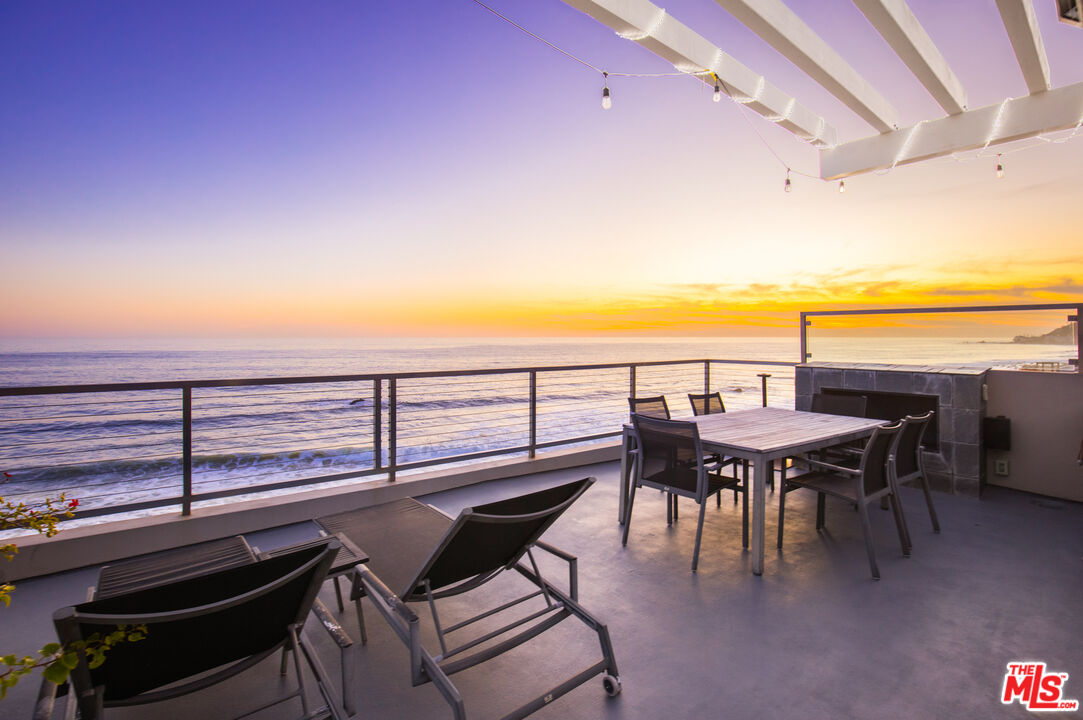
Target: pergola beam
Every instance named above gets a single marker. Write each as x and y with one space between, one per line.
787 33
1014 119
649 25
1022 26
894 20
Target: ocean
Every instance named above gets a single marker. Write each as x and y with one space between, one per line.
113 450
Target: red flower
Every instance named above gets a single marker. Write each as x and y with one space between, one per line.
73 504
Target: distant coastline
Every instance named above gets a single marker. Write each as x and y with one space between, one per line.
1060 336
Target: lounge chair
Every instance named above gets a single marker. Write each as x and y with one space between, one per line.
201 630
418 554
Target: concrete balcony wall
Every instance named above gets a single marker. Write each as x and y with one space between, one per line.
1046 413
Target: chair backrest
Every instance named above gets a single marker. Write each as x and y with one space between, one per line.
652 406
486 539
908 445
706 404
670 452
832 404
223 619
874 460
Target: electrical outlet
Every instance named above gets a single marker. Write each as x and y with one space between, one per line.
1001 467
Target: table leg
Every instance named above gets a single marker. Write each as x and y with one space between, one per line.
625 467
762 468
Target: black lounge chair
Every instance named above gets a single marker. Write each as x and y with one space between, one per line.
861 486
419 554
201 630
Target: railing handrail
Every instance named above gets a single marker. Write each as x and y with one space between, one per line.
803 322
15 391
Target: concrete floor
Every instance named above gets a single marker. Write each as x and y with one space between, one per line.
814 637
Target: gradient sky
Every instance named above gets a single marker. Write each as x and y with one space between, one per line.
423 168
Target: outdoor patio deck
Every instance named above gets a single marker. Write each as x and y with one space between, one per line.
814 637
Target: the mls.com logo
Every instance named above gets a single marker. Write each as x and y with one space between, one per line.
1035 689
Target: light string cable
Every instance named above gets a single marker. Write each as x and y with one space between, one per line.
679 73
744 113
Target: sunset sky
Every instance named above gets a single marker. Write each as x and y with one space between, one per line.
425 169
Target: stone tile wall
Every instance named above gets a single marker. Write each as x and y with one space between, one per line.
959 466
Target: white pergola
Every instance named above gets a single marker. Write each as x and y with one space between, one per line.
1043 110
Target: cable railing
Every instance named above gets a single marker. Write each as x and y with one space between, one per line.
125 447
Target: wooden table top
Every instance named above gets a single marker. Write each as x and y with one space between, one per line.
777 432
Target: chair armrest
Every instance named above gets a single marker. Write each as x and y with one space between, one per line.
573 566
828 466
327 620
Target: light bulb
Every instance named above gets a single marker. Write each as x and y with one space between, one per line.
842 186
787 186
1000 168
607 102
717 93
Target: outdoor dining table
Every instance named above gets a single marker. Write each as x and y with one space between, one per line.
761 436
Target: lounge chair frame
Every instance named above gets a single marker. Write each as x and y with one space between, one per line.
426 666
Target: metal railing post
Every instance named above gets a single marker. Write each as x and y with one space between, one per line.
533 413
804 339
706 377
1078 339
378 422
631 381
763 385
392 428
186 449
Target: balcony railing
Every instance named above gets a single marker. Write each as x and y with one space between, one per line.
138 446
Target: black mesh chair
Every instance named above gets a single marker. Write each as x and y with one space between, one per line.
832 404
860 486
671 460
706 404
711 404
201 631
652 406
418 554
906 464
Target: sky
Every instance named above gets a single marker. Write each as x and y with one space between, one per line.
423 168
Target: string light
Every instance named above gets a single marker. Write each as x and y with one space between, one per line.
842 186
787 185
717 91
607 101
1000 168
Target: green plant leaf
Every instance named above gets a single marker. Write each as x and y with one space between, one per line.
70 660
56 672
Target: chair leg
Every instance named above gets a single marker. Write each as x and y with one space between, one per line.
669 509
867 530
820 501
718 498
628 516
338 595
699 536
674 497
900 524
929 502
781 510
744 518
361 620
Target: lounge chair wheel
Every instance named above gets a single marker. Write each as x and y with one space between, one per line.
611 683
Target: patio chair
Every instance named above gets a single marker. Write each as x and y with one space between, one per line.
655 406
200 631
859 486
832 404
671 459
906 464
418 554
708 404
